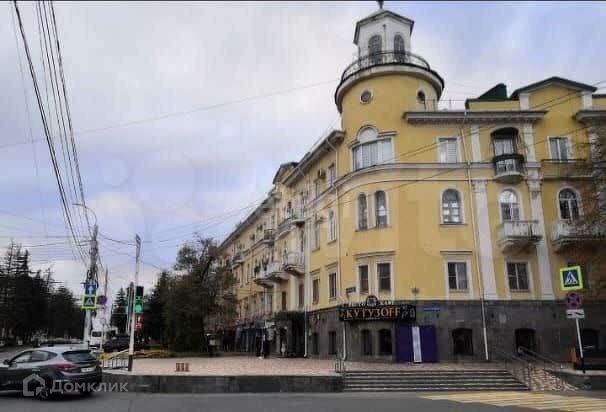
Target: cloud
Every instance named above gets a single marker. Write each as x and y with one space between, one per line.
127 63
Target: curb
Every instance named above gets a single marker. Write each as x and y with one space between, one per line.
225 384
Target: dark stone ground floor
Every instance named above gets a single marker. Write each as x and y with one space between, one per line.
456 326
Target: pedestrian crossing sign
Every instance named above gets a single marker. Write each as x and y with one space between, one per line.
571 278
89 302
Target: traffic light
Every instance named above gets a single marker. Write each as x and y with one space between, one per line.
139 300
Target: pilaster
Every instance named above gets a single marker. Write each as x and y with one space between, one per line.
485 241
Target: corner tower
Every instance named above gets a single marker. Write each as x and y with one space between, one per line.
386 63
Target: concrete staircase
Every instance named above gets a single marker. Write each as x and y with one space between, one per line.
431 380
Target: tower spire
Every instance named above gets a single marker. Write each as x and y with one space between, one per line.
380 3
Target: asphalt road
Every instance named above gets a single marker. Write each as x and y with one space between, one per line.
131 402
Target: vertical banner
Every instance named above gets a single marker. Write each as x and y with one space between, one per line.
416 345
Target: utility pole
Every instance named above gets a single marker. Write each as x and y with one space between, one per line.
91 279
104 321
131 347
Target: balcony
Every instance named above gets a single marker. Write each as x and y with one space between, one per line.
275 272
518 235
269 235
566 234
238 259
294 262
294 216
384 58
264 279
508 168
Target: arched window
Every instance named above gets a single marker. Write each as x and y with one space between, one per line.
375 45
385 347
399 48
569 204
332 226
510 206
371 149
366 342
451 207
380 208
398 44
362 212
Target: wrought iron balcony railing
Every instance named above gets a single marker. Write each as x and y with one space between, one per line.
384 58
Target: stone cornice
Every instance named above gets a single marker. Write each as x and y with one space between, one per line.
591 116
473 116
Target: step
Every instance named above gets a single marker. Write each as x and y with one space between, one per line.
431 371
432 389
478 384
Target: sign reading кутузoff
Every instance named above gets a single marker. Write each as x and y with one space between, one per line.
379 312
571 278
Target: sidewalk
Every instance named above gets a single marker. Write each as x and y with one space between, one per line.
250 365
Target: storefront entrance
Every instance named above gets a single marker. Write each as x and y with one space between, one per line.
416 343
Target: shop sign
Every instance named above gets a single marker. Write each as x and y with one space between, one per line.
374 309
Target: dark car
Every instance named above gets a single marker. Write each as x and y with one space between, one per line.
46 371
122 342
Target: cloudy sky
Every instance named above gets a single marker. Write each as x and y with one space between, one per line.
184 111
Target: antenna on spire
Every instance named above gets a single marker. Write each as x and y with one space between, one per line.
380 2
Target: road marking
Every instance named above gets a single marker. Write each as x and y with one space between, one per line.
531 400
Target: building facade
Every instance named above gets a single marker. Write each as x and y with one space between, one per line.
419 233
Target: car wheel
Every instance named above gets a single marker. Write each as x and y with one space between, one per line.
44 393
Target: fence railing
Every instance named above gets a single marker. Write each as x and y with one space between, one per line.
382 58
114 363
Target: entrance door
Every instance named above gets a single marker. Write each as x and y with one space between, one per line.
525 339
404 352
429 345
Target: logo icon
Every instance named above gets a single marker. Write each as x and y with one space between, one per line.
31 381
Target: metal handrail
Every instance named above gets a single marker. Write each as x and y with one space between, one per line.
548 363
519 368
382 58
339 365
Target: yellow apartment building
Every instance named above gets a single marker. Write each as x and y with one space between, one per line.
421 233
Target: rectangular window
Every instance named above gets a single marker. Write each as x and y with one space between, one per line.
332 285
457 275
332 343
363 273
301 296
373 153
517 274
315 344
384 276
448 150
315 290
332 175
270 302
332 226
316 236
559 148
283 300
316 188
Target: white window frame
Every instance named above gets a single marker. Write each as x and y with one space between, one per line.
391 283
461 208
467 275
315 239
332 174
520 203
439 145
358 227
579 201
332 226
374 208
530 289
330 273
368 277
568 147
315 299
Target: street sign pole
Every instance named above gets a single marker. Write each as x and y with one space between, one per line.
131 346
580 344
